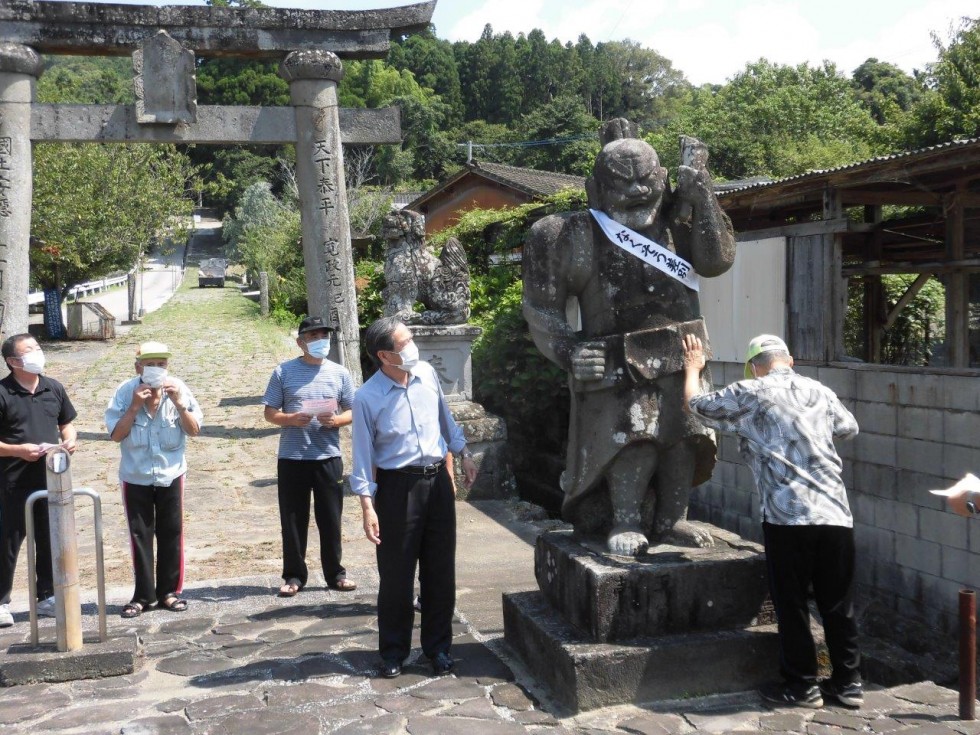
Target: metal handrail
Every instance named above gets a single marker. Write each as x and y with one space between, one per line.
32 562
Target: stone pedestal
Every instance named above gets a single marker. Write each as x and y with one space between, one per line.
448 348
27 664
678 622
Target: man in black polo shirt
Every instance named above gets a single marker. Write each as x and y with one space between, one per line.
34 413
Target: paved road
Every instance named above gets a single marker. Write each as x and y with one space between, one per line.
242 661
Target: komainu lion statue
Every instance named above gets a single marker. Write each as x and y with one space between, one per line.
414 274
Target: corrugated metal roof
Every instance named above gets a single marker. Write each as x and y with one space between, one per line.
911 155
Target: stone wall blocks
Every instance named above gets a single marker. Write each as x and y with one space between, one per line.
919 455
874 479
876 386
919 389
913 488
923 556
840 380
958 460
876 417
974 529
898 517
915 422
961 427
863 508
959 392
956 566
943 527
875 448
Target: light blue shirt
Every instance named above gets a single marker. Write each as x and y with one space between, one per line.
153 453
295 381
397 426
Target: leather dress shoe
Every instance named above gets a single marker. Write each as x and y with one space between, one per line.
390 668
442 664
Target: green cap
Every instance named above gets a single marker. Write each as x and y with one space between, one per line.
760 344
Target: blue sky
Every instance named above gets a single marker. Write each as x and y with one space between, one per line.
708 40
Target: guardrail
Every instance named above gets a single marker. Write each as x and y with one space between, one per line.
82 289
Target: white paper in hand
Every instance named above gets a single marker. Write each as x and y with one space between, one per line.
970 483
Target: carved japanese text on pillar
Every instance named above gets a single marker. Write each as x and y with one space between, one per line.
6 150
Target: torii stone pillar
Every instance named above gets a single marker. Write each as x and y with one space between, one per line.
313 76
20 66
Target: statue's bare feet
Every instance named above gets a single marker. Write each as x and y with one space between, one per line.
685 533
626 541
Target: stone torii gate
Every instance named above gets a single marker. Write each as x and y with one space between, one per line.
164 42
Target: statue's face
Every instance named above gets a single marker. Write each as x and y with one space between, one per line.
391 227
398 224
631 182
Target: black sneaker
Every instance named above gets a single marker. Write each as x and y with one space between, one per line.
849 695
792 695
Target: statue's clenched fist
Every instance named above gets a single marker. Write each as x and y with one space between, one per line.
589 361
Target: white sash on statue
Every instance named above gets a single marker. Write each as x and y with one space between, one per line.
648 251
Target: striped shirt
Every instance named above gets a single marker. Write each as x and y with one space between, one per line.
786 424
295 381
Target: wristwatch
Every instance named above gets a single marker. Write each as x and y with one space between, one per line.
972 507
467 454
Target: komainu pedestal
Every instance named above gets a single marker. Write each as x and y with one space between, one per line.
675 622
448 349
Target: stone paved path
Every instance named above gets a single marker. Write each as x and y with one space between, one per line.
243 661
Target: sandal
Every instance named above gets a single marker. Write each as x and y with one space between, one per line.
131 610
290 588
343 585
173 603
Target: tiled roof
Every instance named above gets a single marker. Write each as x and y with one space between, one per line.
528 180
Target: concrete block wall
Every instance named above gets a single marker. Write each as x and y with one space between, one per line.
918 431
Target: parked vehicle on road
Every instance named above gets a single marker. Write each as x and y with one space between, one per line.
211 272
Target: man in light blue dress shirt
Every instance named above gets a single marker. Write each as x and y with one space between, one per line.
151 416
403 431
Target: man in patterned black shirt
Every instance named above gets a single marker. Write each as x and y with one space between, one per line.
786 424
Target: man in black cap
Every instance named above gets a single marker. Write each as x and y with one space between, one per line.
310 397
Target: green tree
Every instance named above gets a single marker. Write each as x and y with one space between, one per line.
433 64
952 109
775 120
572 130
85 80
886 91
97 208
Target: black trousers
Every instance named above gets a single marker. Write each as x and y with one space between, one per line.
297 478
156 512
798 556
13 531
417 523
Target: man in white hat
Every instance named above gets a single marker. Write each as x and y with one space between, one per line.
786 424
151 416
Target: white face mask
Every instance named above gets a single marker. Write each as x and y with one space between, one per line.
409 356
33 362
319 348
154 376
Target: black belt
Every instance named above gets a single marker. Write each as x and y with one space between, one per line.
429 470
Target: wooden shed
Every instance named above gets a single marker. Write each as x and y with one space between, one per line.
915 212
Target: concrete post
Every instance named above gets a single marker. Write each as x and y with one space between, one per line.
64 550
313 76
20 66
264 293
